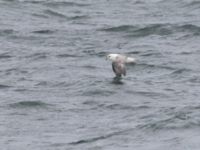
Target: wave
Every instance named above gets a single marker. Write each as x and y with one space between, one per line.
39 15
154 29
102 137
125 107
134 52
189 28
54 13
90 140
115 106
180 71
5 56
61 15
64 4
194 4
122 28
194 80
78 17
2 86
4 32
27 1
151 53
98 92
184 118
94 53
153 66
28 104
67 55
57 3
45 31
37 56
157 29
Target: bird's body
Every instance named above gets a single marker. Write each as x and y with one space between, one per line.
119 69
118 63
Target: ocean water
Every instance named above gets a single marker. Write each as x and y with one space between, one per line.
57 91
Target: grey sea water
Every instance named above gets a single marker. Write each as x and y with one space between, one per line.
57 90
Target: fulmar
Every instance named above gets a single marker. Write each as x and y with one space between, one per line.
118 63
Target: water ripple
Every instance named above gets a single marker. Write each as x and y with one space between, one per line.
37 56
94 139
67 55
125 107
3 86
43 31
98 92
5 56
5 32
155 66
154 29
180 71
54 13
184 118
29 104
64 4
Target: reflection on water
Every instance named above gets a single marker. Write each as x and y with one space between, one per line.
117 80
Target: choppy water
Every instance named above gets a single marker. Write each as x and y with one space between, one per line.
57 90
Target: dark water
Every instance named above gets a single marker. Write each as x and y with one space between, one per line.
57 90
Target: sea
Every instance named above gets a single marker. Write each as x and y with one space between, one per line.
58 91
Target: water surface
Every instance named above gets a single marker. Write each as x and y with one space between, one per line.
57 90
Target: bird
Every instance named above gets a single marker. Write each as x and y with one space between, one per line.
118 63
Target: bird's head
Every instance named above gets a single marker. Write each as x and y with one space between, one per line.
112 57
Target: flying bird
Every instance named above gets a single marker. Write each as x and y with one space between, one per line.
118 63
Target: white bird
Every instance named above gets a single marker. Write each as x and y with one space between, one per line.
118 63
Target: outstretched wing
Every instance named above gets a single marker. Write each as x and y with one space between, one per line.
119 68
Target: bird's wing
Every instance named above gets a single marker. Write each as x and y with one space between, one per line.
119 68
